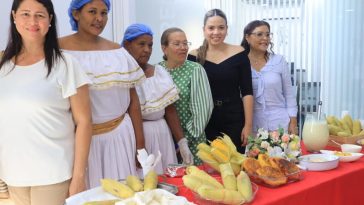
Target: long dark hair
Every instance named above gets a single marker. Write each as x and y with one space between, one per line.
15 43
248 31
202 50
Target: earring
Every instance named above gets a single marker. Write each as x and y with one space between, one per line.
14 22
50 25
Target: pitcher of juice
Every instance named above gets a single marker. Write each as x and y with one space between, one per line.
315 133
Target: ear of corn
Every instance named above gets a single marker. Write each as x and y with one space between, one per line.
195 171
244 186
134 183
204 146
237 158
208 159
221 195
106 202
219 155
227 140
236 168
356 127
116 188
193 182
150 180
228 176
220 145
349 121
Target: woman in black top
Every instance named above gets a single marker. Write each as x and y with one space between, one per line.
228 70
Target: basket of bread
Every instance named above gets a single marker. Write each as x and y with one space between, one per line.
271 171
344 130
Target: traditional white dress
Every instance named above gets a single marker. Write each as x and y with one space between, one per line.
113 73
155 94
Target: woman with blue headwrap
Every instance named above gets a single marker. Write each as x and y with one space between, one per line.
116 115
157 95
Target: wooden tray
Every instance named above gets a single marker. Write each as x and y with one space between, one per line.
343 140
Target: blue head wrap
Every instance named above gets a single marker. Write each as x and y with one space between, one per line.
78 4
135 30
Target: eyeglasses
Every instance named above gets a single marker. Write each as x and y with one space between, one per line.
181 44
263 34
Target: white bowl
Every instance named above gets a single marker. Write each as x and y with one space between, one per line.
350 158
318 162
351 148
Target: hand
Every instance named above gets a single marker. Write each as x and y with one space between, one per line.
77 185
185 151
244 135
292 127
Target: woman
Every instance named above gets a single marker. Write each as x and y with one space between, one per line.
117 123
45 121
275 103
195 104
157 95
228 69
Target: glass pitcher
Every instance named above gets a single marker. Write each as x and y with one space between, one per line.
315 133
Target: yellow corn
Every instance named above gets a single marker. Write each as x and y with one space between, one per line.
134 183
349 121
236 168
150 180
204 146
228 176
227 140
244 186
195 171
106 202
116 188
208 159
333 129
221 195
220 156
193 182
237 158
356 127
220 144
343 134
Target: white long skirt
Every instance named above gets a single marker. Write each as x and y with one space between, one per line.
112 155
158 137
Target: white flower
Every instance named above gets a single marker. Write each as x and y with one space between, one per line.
264 144
263 134
275 152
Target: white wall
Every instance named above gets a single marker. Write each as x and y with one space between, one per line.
63 28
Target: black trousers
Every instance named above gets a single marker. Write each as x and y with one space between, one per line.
229 119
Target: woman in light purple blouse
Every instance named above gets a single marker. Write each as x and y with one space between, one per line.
275 103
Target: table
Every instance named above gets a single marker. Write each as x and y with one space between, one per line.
340 186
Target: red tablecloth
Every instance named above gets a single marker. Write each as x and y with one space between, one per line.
340 186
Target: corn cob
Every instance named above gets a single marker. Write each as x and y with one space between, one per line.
219 155
220 144
204 146
236 168
150 181
228 176
134 183
208 159
349 121
237 158
356 127
227 140
193 182
116 188
195 171
244 186
106 202
221 195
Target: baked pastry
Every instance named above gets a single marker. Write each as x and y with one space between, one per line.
288 168
272 176
263 160
251 165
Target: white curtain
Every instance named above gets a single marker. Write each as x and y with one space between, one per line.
123 14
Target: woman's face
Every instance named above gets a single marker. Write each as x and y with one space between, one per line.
177 48
215 30
259 39
140 48
92 17
32 20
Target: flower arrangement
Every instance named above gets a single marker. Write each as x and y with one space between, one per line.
276 144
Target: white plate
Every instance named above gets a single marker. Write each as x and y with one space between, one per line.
351 158
318 162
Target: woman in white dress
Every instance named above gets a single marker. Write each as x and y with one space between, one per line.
157 95
115 106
